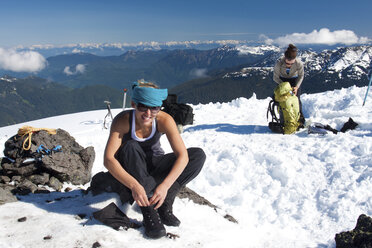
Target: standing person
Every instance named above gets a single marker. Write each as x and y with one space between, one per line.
134 157
290 69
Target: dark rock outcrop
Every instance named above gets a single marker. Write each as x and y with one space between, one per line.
359 237
51 160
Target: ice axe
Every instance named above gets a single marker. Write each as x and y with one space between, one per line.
125 98
109 114
369 84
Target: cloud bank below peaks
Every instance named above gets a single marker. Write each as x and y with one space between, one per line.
323 36
25 61
80 68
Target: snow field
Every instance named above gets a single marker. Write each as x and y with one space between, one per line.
284 190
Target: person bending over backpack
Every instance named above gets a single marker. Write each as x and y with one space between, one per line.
134 157
290 69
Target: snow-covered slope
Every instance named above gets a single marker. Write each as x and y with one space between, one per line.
285 190
261 50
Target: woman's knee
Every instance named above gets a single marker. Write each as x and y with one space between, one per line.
129 146
196 153
196 161
197 157
128 151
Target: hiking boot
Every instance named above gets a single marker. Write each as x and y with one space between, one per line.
154 228
167 216
166 209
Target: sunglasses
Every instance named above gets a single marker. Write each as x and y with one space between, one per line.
287 63
143 108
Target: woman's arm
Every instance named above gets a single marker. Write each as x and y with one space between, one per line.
168 126
276 76
300 74
119 127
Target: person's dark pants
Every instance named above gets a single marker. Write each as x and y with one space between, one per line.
151 171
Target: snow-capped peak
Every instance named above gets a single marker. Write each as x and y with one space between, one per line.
8 79
258 50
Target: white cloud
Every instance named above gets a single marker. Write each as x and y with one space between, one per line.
198 73
25 61
323 36
80 68
67 71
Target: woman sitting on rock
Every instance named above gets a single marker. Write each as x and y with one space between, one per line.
134 157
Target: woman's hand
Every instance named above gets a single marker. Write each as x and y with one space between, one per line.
159 196
140 196
295 90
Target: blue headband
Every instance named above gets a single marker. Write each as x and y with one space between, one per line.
148 96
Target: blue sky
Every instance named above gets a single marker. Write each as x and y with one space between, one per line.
32 22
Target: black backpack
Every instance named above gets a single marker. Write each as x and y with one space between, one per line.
181 113
277 121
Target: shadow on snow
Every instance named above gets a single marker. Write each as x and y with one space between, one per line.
76 203
230 128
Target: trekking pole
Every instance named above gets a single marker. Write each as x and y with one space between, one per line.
369 84
125 98
109 114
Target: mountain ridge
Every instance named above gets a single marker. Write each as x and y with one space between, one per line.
327 70
34 98
215 75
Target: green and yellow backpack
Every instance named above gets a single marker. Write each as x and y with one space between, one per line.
284 110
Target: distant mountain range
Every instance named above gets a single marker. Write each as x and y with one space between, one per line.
326 70
112 49
82 81
34 98
168 68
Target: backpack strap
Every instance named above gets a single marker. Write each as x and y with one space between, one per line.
271 108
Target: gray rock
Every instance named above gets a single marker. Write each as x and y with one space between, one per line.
68 167
26 187
30 170
39 179
4 179
6 194
196 198
13 147
22 219
72 163
25 170
55 184
16 179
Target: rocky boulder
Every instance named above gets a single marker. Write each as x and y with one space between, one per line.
359 237
52 160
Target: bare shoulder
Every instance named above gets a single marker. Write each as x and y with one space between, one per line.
165 122
121 122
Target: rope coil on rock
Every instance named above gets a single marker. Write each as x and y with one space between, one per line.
28 130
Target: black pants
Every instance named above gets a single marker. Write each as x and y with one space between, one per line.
150 171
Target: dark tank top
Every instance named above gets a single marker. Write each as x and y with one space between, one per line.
151 146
